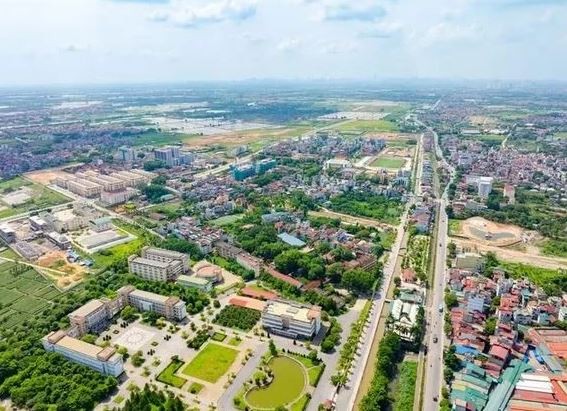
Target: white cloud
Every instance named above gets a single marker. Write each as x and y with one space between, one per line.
185 14
382 30
288 45
448 32
74 48
338 47
353 12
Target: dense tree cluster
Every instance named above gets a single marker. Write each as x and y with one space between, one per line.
361 281
333 337
152 399
183 246
366 204
152 165
387 358
154 192
327 300
237 317
200 338
301 264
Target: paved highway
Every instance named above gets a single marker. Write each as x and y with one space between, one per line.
435 337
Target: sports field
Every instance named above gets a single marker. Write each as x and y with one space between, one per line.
211 363
33 197
227 219
23 293
393 163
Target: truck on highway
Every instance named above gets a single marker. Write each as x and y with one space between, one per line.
440 308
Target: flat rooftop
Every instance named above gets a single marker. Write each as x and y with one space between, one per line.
79 346
146 295
88 308
192 280
296 311
153 263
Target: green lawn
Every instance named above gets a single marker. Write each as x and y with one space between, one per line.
227 219
167 376
43 197
287 386
364 126
157 138
301 404
235 342
454 227
195 388
211 363
394 163
490 139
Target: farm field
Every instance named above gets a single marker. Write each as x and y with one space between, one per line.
39 197
365 126
23 293
211 363
286 387
394 163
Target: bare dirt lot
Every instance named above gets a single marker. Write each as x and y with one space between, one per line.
490 233
245 136
530 256
508 242
56 260
44 177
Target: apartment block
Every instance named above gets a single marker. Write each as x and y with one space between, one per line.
103 360
167 256
171 308
149 269
84 188
110 198
291 319
7 234
95 315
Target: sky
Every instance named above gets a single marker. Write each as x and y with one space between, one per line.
136 41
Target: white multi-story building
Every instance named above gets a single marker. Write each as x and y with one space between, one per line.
132 179
103 360
291 319
149 269
171 308
167 256
95 314
7 234
484 186
84 188
110 198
